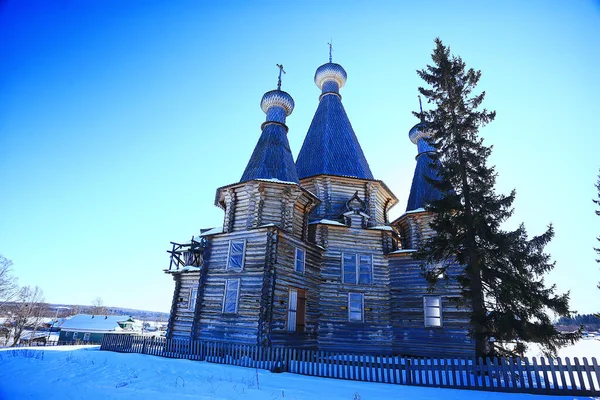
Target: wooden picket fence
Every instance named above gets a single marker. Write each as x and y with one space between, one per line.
548 376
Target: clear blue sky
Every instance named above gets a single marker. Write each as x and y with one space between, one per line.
119 119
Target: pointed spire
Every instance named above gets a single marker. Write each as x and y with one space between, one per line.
331 146
421 191
272 157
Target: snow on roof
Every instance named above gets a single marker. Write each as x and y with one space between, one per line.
383 228
327 222
276 180
95 322
212 231
403 251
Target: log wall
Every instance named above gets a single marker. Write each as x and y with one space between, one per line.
335 331
242 327
409 286
287 277
335 191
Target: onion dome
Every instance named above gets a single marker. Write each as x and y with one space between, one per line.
331 146
421 191
418 135
330 77
278 105
272 157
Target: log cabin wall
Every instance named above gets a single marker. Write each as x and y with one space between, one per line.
411 336
287 277
261 202
408 288
181 318
242 326
335 191
335 330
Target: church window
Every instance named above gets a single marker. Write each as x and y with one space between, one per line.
296 310
356 307
75 335
300 260
86 337
230 298
432 306
235 259
193 297
357 268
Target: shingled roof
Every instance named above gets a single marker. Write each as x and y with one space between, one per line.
272 157
331 146
421 191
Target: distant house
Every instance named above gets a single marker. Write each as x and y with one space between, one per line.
91 328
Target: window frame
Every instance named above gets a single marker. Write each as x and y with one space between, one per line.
237 298
299 293
299 250
362 307
192 299
357 270
75 335
227 265
86 337
426 316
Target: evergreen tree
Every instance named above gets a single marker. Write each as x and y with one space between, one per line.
501 272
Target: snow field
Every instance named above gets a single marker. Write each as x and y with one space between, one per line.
84 372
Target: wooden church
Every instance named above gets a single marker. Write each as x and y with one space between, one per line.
307 257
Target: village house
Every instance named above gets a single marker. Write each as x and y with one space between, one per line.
91 328
307 256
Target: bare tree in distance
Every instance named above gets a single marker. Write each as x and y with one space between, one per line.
8 282
28 311
98 307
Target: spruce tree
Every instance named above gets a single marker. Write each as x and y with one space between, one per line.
500 272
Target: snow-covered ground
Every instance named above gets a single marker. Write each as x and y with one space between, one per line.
85 372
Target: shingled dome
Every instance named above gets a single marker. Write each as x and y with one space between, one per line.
421 191
272 157
331 146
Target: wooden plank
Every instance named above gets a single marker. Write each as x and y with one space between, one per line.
554 387
574 388
536 375
597 372
544 369
588 372
303 366
510 362
562 372
388 369
579 371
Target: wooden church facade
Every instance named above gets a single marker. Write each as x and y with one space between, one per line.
307 257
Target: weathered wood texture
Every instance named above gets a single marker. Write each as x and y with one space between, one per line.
182 317
411 336
257 203
414 228
336 332
549 376
408 286
273 220
288 278
241 327
335 191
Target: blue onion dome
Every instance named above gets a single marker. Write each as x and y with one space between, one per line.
277 98
330 77
418 134
419 131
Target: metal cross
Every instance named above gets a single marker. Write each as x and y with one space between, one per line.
330 48
280 66
421 107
